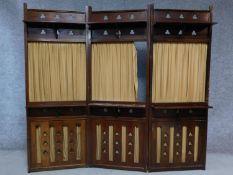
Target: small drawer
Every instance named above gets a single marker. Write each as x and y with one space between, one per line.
57 111
54 17
118 17
103 111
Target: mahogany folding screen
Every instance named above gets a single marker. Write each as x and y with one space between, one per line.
82 87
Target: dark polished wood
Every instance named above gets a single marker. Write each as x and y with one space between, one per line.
149 25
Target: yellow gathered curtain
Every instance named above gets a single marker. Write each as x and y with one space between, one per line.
57 71
114 72
179 72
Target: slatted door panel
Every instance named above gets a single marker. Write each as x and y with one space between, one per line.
118 143
177 144
57 143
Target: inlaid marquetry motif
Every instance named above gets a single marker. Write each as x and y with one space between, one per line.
181 16
42 16
194 17
168 16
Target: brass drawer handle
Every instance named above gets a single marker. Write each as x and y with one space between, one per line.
45 152
58 151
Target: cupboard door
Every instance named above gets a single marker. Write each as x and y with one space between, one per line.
118 143
178 144
57 143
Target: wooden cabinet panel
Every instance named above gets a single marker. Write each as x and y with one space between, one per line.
118 143
57 142
178 144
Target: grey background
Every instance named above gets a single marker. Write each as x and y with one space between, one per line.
12 83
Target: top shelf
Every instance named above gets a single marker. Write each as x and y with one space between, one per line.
55 17
182 17
107 17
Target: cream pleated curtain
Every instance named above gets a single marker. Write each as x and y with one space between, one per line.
179 72
114 72
57 71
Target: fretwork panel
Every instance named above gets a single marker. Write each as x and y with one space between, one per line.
176 143
57 142
118 143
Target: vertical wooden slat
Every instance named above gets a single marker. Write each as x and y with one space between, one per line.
136 144
196 138
65 143
184 139
98 142
171 145
110 143
158 145
123 144
52 144
78 142
38 144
